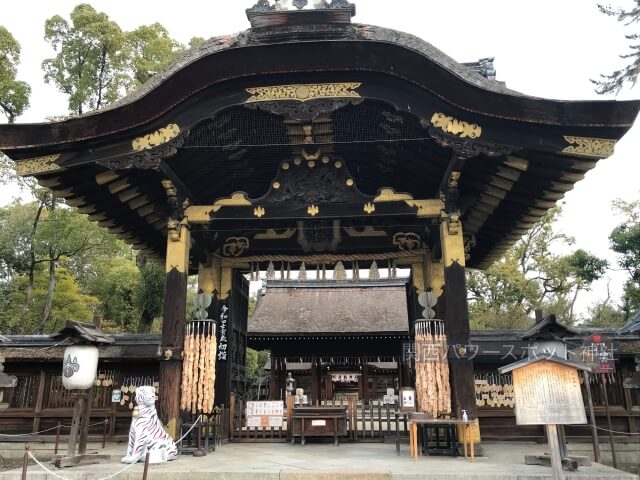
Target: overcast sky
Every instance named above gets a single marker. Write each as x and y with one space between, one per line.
546 48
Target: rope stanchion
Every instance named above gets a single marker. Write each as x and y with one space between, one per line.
146 466
25 462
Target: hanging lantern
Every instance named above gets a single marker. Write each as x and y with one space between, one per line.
79 366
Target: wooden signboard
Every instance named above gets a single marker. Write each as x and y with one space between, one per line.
548 393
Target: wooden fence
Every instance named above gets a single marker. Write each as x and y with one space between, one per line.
367 421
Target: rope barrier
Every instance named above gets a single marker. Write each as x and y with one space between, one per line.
66 478
51 472
605 429
189 431
46 430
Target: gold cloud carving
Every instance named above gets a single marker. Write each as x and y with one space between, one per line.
153 139
32 166
589 147
456 127
303 92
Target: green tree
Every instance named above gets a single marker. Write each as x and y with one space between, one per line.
149 294
69 302
151 49
613 82
116 287
531 276
625 241
14 93
256 374
91 61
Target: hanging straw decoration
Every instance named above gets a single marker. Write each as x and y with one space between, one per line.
339 273
433 392
288 271
281 270
317 271
302 273
356 271
271 271
389 268
324 272
394 271
374 274
199 367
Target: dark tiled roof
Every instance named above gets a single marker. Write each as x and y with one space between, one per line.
632 327
337 307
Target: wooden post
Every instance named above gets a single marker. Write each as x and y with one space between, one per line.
55 450
86 420
606 409
365 379
315 382
594 430
456 316
273 381
75 423
173 322
42 381
554 447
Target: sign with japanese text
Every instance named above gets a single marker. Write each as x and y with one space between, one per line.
547 392
598 353
265 413
223 342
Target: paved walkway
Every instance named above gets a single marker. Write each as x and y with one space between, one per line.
326 462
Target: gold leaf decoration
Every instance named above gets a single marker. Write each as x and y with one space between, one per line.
589 147
258 212
313 210
153 139
303 92
369 208
35 165
237 199
388 194
456 127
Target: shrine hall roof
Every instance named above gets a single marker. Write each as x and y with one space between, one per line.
232 124
373 307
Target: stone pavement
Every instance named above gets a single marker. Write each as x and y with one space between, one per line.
315 461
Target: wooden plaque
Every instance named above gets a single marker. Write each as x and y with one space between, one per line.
548 393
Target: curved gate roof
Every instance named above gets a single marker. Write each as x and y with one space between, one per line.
309 89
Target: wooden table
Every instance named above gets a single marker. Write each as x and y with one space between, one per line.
318 422
451 424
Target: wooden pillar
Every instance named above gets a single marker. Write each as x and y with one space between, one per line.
173 322
365 380
456 316
273 382
315 381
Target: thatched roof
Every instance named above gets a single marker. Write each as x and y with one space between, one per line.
331 307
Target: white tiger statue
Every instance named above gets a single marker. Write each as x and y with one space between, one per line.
147 434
